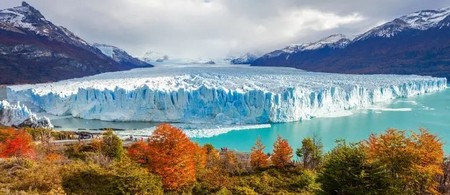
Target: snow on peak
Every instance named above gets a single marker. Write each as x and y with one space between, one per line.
332 41
421 20
23 16
336 41
425 19
26 18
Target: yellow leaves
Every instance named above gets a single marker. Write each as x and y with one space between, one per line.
258 159
413 160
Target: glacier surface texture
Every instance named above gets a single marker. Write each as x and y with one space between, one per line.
19 115
218 94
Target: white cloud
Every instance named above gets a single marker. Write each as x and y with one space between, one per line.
216 28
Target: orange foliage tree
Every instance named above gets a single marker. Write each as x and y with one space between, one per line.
138 151
170 154
412 162
258 159
16 143
282 153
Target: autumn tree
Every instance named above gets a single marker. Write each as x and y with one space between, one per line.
310 153
282 153
16 143
138 151
229 163
170 154
413 162
258 159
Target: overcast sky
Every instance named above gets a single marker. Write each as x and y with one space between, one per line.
218 28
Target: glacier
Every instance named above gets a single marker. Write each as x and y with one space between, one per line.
19 115
219 94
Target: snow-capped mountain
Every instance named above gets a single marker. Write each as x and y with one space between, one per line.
25 19
417 43
247 58
421 20
36 50
120 55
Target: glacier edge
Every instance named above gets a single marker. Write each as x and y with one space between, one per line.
205 104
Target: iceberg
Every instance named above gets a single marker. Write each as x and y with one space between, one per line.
20 116
218 94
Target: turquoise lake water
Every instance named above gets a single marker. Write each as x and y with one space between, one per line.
430 111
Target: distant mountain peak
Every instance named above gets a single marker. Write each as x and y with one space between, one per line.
30 8
26 19
420 20
332 41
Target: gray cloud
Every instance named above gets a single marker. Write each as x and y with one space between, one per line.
217 28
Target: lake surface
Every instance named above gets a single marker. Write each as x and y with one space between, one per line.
430 111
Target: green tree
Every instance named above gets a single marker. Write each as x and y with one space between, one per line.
310 153
346 170
111 145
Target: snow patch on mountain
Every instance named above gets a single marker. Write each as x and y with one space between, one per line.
332 41
17 16
335 41
105 49
218 94
26 17
120 55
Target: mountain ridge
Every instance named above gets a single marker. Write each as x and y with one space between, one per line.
417 43
34 50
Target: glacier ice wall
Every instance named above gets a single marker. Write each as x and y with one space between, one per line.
19 115
218 94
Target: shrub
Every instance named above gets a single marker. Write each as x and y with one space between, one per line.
121 177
